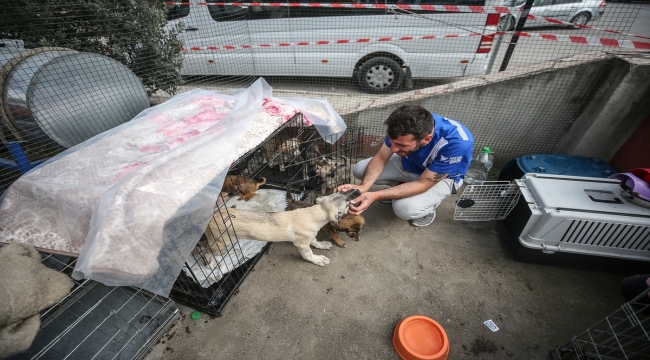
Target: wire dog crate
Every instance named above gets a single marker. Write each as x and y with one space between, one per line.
625 334
99 322
294 156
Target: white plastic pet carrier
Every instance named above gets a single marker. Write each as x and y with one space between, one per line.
582 215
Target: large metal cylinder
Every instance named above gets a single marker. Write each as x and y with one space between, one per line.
64 97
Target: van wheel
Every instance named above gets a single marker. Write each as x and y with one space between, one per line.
506 23
580 19
380 75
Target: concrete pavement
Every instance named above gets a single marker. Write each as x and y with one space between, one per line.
458 273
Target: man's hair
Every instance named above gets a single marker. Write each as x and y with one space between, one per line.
409 119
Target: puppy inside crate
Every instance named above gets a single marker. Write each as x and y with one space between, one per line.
217 240
286 156
280 151
330 172
327 169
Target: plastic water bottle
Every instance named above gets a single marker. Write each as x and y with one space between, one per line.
479 167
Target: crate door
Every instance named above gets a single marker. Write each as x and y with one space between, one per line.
492 200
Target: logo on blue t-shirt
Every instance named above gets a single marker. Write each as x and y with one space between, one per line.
451 160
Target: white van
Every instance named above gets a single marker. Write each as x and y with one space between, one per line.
365 41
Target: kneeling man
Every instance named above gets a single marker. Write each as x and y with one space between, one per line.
424 155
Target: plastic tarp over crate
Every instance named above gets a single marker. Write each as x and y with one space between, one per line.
109 198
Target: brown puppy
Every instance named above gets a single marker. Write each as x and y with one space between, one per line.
349 224
236 183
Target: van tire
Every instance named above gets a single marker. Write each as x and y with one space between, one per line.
380 75
581 18
506 23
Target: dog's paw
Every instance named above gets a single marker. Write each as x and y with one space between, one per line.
320 260
324 245
342 244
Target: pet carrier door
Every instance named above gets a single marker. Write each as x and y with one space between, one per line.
492 200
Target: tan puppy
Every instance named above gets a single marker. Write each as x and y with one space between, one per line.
215 241
299 226
349 224
236 183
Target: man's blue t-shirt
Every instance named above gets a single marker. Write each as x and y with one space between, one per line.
449 152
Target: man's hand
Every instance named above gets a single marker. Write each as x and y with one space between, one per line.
361 203
347 187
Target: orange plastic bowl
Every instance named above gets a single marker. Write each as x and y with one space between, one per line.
420 338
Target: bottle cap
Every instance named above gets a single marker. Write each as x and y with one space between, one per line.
487 150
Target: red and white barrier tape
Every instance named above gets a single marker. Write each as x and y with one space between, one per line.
444 8
328 42
581 40
560 22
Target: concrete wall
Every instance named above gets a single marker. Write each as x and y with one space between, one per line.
586 105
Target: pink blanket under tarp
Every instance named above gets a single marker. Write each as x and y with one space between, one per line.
133 201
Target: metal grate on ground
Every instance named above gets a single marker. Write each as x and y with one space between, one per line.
95 321
492 200
625 334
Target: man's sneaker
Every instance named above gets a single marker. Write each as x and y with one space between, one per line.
425 221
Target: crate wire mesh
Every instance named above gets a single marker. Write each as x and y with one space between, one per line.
99 322
492 200
625 334
294 158
209 288
310 163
